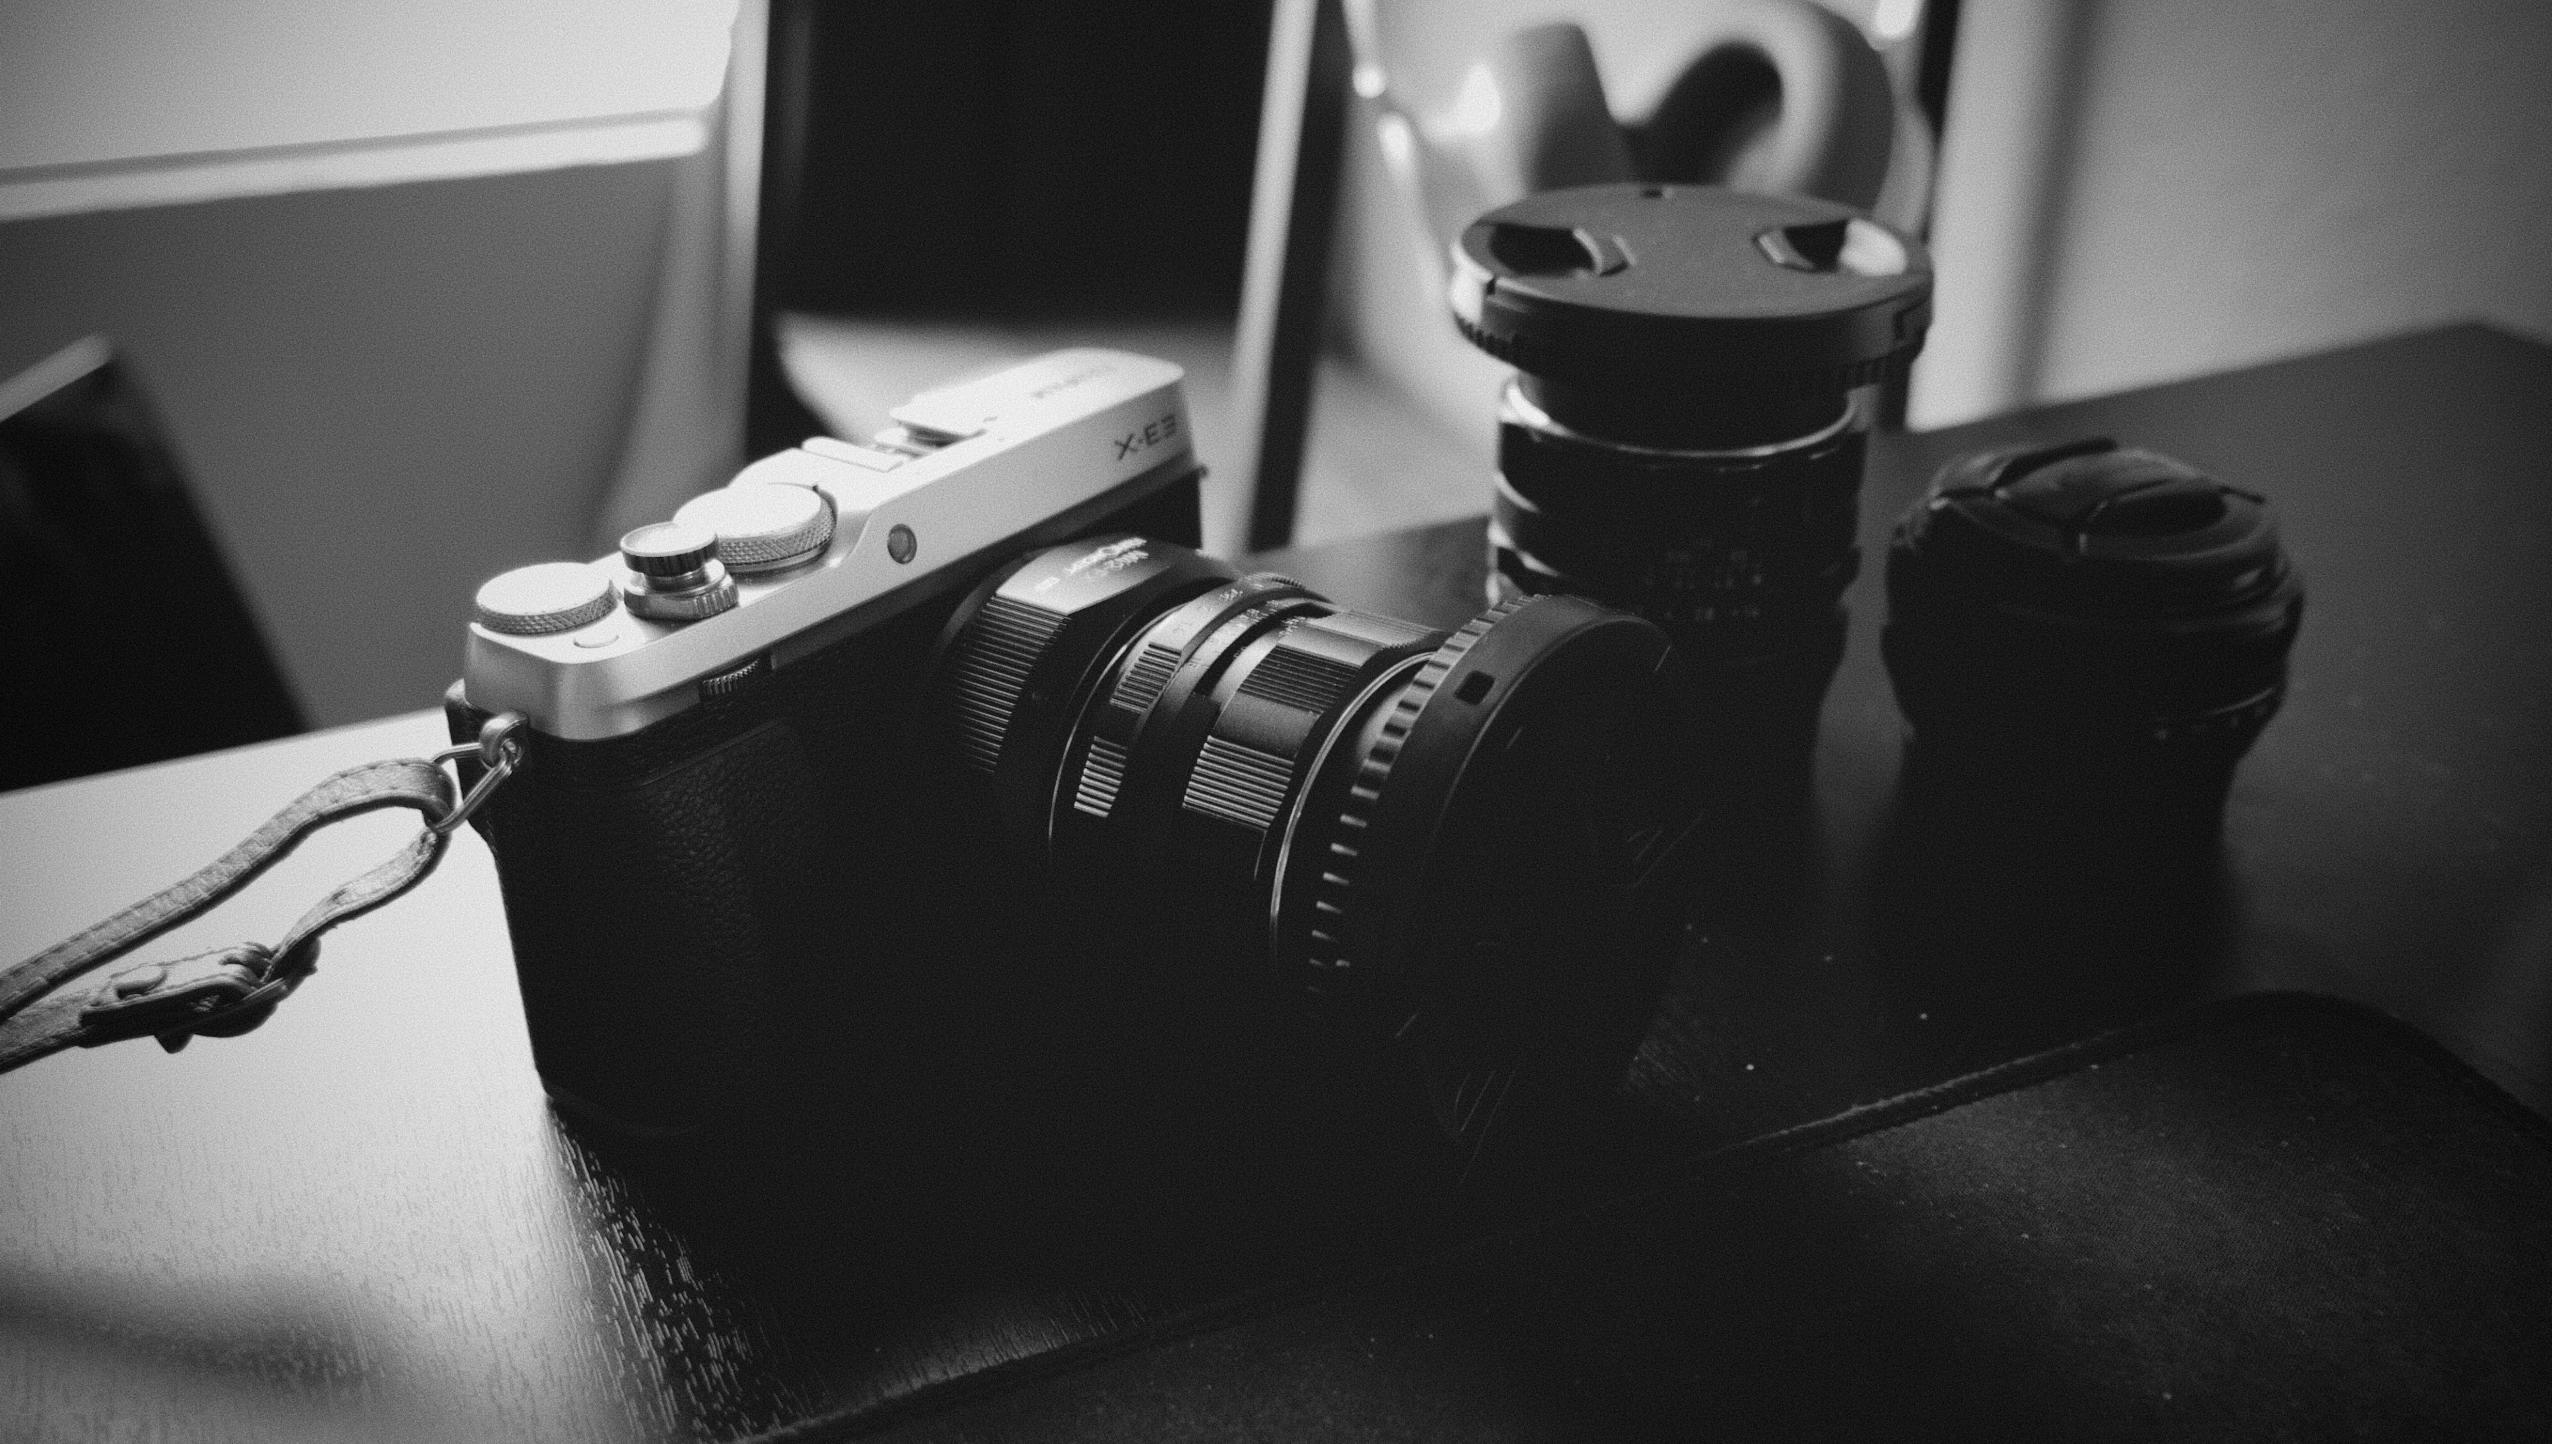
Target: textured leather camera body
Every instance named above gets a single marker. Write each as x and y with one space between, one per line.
751 879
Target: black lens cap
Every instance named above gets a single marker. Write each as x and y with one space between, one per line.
1517 846
2091 530
2089 591
1625 284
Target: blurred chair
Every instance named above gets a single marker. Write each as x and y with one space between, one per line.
1469 104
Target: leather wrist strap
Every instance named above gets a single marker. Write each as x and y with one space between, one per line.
230 990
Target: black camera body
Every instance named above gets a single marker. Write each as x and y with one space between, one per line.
716 847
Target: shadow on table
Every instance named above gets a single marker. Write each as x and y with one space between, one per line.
1037 1157
2043 916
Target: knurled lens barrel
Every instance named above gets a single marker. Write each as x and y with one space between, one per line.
1192 761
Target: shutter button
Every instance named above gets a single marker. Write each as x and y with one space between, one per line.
674 575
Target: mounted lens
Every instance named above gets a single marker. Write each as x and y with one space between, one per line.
1466 831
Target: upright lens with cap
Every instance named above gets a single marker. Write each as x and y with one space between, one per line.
1681 438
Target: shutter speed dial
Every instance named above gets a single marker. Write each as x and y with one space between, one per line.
762 527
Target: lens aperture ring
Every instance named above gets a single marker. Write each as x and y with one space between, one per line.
1190 765
1737 553
1227 757
1094 771
1304 673
1662 576
1809 487
1143 830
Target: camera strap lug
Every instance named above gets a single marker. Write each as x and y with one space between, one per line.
498 750
229 991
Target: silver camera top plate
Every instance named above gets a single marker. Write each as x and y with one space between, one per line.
969 465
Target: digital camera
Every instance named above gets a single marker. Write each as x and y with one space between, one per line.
788 753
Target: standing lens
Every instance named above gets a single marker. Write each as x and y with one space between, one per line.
1468 830
1682 439
2086 622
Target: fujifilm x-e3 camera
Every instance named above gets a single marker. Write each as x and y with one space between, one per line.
786 751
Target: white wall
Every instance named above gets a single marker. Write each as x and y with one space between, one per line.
380 396
127 102
422 291
2139 190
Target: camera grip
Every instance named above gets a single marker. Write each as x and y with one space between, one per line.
654 917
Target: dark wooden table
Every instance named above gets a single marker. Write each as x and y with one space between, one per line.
364 1221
